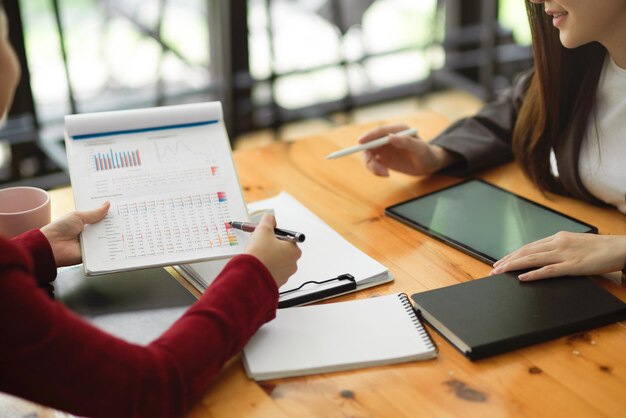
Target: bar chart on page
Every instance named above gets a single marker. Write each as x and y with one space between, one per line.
152 227
112 160
161 164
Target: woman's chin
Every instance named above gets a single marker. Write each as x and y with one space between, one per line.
569 41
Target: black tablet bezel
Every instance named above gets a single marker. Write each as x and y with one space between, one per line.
389 211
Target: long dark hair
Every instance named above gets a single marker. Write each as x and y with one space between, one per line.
556 109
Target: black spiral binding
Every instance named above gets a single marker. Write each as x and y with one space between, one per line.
404 299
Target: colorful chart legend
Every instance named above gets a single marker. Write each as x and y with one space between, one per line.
232 239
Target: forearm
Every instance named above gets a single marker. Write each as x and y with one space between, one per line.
56 359
609 253
233 308
35 244
484 140
621 250
445 158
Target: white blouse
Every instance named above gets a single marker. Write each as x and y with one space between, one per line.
602 162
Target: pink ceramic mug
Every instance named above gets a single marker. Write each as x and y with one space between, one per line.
22 209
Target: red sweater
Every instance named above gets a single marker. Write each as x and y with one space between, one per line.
51 356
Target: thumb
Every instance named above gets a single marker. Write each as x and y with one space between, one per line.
94 215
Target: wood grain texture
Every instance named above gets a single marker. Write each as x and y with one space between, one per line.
578 376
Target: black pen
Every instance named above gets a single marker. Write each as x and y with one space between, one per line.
282 234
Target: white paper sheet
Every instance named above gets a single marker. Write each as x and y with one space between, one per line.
325 253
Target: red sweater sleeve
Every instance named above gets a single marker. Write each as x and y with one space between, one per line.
37 246
51 356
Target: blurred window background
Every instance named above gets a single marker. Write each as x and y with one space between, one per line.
270 62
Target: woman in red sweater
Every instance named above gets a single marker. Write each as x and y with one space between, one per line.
50 356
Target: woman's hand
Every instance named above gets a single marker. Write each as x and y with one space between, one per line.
404 153
566 254
63 234
278 256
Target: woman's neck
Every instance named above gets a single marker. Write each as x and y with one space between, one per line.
619 57
615 43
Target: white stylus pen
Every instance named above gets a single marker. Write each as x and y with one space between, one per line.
368 145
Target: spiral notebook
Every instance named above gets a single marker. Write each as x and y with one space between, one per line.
338 336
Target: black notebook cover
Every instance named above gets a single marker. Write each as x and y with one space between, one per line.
496 314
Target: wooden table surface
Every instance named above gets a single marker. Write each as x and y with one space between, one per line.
578 376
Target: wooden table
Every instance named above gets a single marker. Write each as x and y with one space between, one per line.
581 375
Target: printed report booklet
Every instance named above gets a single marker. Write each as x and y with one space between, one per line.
169 175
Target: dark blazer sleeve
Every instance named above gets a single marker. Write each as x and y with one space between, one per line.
484 140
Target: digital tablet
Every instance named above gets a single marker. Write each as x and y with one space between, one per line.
483 220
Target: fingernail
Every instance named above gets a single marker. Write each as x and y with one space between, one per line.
523 277
496 270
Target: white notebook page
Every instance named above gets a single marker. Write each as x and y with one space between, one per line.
337 336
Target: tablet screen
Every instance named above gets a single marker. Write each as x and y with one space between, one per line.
483 220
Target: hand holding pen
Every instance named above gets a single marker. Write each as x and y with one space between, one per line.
369 144
279 257
403 151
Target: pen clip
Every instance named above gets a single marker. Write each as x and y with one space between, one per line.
349 284
340 277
